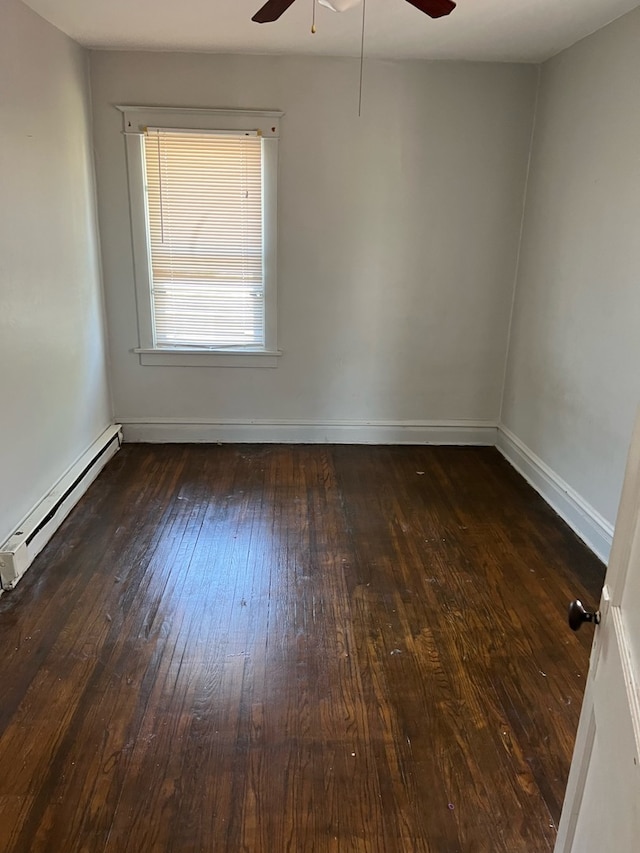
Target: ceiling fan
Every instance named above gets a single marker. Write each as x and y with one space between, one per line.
273 9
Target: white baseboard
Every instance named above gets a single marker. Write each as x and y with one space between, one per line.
309 432
30 537
21 548
594 530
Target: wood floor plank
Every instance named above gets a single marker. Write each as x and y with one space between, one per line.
283 648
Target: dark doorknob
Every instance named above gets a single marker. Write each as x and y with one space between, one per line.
578 615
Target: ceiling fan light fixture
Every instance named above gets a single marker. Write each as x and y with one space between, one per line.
340 5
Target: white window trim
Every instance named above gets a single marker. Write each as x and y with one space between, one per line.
267 123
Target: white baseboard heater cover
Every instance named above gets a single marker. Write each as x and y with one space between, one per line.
20 550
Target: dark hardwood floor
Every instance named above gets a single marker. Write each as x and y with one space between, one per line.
270 649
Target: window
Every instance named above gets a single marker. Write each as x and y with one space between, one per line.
202 187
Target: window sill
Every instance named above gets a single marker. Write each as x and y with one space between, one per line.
207 358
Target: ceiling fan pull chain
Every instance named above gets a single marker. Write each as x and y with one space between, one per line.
313 22
364 15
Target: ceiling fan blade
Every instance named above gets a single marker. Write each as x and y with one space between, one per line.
271 11
434 8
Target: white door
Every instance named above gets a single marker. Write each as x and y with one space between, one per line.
602 806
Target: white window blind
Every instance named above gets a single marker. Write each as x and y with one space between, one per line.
205 218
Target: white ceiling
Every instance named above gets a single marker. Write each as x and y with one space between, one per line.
502 30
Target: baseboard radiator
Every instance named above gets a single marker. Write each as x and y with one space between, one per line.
22 547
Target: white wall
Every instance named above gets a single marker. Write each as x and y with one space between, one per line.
573 381
398 241
398 235
53 385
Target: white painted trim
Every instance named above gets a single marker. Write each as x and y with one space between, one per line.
208 358
136 120
594 530
629 672
462 432
590 526
30 537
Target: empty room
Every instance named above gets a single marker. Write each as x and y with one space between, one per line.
320 460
